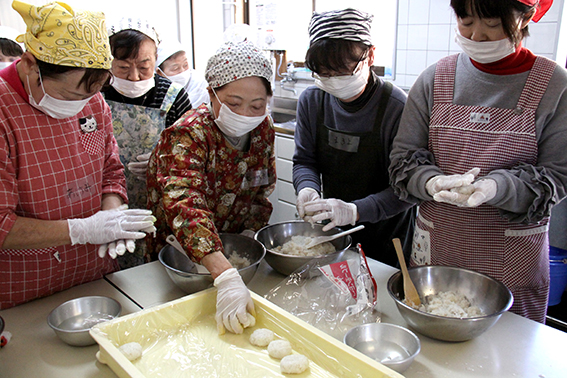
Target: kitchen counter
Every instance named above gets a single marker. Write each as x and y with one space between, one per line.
514 347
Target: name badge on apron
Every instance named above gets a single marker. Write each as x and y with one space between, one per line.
255 178
343 142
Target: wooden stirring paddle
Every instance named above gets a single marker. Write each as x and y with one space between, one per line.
410 291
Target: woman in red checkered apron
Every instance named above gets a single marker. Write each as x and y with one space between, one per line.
482 145
59 163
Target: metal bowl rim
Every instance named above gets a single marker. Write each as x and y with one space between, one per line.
473 318
412 334
56 328
188 274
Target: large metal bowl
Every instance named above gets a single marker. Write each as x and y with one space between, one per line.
277 234
389 344
72 320
491 296
179 267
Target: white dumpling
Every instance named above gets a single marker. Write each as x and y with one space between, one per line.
279 349
261 337
132 351
294 364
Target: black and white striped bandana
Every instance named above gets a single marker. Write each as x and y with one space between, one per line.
349 24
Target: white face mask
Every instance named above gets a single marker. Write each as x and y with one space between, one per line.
53 107
181 78
344 87
4 65
485 52
132 89
235 125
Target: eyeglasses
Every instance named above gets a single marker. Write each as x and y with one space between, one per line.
354 71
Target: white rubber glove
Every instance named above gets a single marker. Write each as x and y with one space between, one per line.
248 233
111 225
140 166
305 195
473 195
117 248
235 308
339 213
442 182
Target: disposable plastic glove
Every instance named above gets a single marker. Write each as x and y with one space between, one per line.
473 195
248 233
235 309
111 225
140 166
117 248
339 213
442 182
305 195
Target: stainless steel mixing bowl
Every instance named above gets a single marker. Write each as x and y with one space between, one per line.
389 344
277 234
72 320
491 296
179 267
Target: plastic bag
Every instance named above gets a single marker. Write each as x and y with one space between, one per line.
334 297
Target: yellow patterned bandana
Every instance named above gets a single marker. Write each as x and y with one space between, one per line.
59 35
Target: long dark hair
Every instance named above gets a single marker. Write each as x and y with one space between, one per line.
506 10
91 76
334 55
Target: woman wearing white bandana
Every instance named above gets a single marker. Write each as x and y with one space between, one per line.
213 171
481 148
345 127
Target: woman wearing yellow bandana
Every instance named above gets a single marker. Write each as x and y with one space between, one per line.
59 164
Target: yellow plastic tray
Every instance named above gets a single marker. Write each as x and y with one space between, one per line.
153 327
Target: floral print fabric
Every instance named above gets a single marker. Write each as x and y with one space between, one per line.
199 185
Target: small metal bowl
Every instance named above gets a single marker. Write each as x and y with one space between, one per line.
389 344
490 295
277 234
179 267
72 320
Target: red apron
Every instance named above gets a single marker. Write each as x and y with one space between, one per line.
464 137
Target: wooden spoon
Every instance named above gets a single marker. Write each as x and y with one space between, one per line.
410 291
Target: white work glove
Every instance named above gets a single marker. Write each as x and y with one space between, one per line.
442 182
109 226
235 308
248 233
139 167
305 195
339 213
473 195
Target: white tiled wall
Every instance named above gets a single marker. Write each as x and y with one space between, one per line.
426 34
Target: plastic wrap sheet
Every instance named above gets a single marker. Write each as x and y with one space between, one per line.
333 298
179 339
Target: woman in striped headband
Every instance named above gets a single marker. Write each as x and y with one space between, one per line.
345 127
481 148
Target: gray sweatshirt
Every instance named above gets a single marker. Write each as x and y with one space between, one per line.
525 193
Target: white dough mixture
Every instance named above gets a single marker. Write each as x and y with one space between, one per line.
296 247
450 304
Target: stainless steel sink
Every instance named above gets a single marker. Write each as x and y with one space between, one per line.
283 109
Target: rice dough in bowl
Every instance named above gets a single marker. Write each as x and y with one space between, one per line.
449 304
297 247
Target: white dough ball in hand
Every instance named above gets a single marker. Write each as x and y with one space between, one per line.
294 364
132 351
279 349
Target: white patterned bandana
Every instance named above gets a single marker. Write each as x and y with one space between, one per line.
235 61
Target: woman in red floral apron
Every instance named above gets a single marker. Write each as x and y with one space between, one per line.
482 144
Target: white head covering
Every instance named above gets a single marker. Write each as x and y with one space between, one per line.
167 48
133 23
349 24
235 61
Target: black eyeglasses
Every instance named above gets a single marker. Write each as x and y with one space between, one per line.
354 71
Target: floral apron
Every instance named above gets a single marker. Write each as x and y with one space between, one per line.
137 129
462 137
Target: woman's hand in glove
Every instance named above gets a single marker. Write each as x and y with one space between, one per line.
305 195
339 213
439 183
235 309
111 225
140 166
472 195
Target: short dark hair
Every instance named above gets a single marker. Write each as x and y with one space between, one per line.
126 43
10 48
506 10
334 55
265 82
91 76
